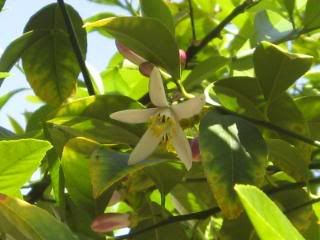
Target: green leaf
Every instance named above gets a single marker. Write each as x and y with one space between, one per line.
276 70
240 94
204 70
302 218
53 73
18 129
289 4
4 75
5 98
75 165
154 214
147 37
100 107
25 221
284 113
310 108
16 48
19 160
107 167
311 16
233 151
2 2
94 129
288 158
271 26
175 171
124 81
266 217
159 10
107 2
98 17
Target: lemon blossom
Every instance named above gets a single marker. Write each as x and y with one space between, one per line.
163 122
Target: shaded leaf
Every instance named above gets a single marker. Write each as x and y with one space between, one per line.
53 73
310 108
204 70
288 158
147 37
2 2
276 70
18 129
108 167
240 94
232 151
266 217
311 18
25 221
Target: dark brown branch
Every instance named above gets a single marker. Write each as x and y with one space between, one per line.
194 49
212 211
76 48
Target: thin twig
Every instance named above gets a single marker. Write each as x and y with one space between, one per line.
76 48
194 36
192 216
271 126
212 211
194 49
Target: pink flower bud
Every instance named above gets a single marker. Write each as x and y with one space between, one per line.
128 54
194 145
183 57
110 221
146 68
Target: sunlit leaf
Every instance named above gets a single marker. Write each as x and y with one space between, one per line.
25 221
147 37
19 160
266 217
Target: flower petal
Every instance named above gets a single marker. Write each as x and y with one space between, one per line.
188 108
156 89
110 221
134 115
147 144
182 146
129 54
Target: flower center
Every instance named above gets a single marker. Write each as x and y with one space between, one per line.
162 124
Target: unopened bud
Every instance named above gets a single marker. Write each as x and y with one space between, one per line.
129 54
183 57
146 68
110 221
195 149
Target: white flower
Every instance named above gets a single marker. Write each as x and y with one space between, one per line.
164 122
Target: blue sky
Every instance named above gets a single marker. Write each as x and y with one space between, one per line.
12 21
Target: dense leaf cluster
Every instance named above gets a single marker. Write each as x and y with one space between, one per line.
255 143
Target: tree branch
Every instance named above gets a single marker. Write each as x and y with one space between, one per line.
209 212
271 126
194 49
194 36
76 48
